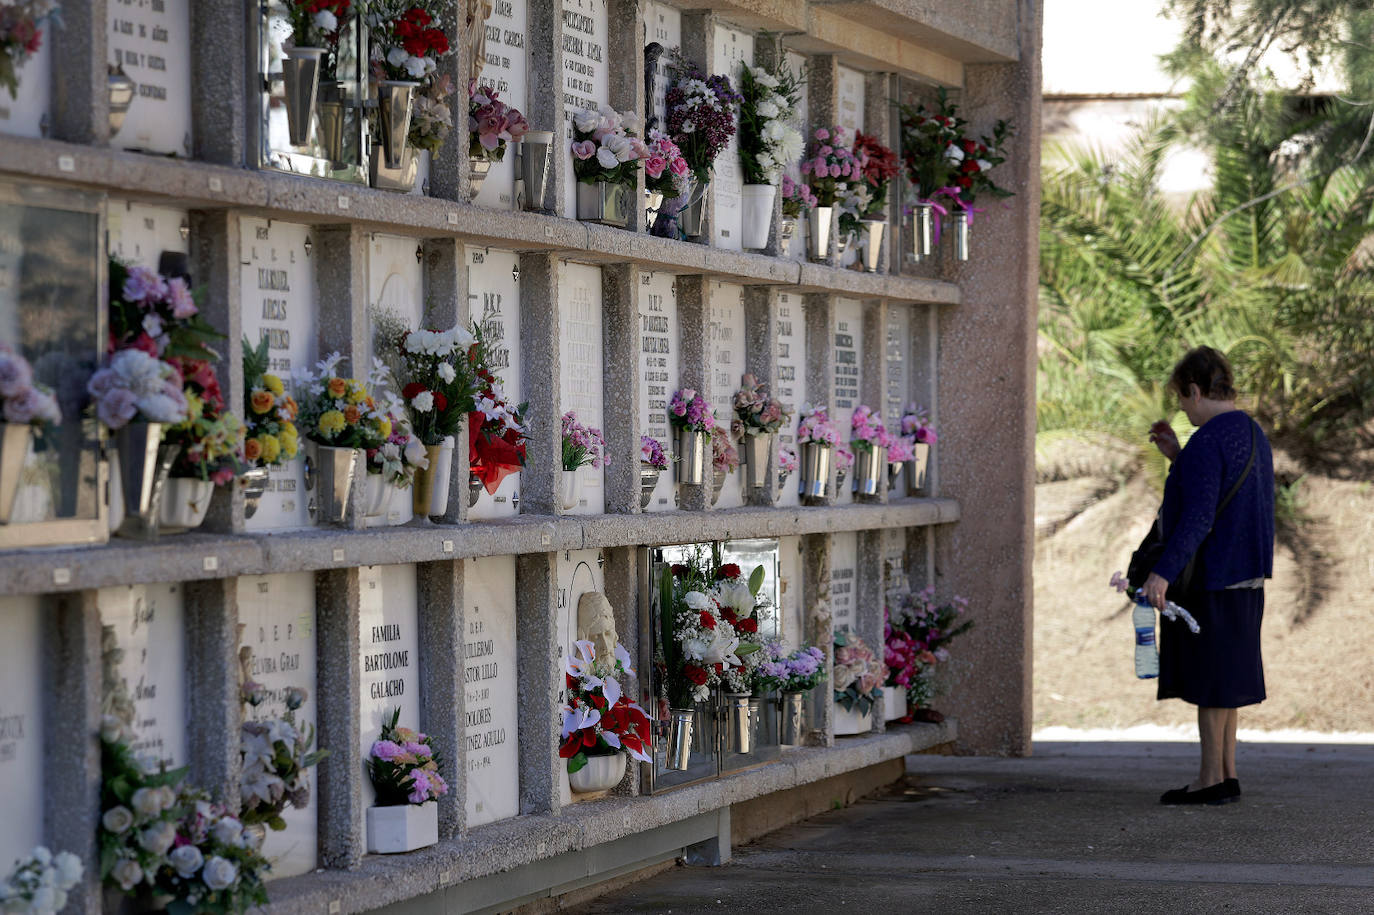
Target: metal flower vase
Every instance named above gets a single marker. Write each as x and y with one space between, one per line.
300 73
604 203
121 89
787 231
820 225
254 485
333 118
648 481
793 728
757 214
815 469
869 467
755 720
923 230
144 463
680 722
475 487
534 156
332 470
14 449
692 448
718 475
478 169
754 449
961 233
738 732
916 469
693 215
395 104
873 244
401 180
430 485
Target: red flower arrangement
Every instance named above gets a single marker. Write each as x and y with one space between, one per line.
598 719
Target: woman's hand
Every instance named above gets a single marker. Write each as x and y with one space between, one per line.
1155 588
1162 437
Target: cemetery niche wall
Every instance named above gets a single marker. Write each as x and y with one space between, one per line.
235 174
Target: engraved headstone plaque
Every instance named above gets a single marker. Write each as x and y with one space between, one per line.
505 70
389 664
585 80
491 708
727 182
395 284
897 388
26 113
494 303
790 387
151 41
848 387
140 233
579 322
727 367
662 26
659 344
149 623
790 582
21 727
277 613
850 103
278 283
844 563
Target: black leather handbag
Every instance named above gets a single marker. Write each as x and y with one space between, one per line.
1146 556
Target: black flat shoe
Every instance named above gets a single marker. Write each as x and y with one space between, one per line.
1213 795
1232 786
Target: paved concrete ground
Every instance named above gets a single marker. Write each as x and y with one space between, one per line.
1076 828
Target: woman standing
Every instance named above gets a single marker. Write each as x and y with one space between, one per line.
1231 541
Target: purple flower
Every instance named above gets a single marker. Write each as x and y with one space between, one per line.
387 750
143 286
419 792
584 149
15 374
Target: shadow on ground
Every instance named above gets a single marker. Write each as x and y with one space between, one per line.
1076 828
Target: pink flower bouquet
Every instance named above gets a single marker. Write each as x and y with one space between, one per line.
689 409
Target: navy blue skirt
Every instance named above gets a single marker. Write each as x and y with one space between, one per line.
1220 666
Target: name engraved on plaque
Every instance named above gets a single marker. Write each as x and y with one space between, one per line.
585 81
581 368
491 711
850 102
505 69
662 25
658 368
149 625
389 663
727 369
494 303
22 763
898 386
731 47
151 40
790 386
844 558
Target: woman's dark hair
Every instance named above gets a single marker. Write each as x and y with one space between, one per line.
1208 369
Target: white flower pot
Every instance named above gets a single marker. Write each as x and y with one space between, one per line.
894 703
185 500
849 721
442 471
569 490
757 200
376 495
601 773
391 830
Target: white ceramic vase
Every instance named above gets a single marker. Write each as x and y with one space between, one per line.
391 830
569 490
601 773
185 500
849 721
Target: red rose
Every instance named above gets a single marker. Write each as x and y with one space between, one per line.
411 390
729 570
720 668
678 570
695 674
964 182
748 625
707 620
440 402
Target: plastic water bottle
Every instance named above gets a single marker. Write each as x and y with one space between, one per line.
1146 652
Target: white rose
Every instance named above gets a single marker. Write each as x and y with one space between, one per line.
417 67
69 869
606 158
463 337
127 874
325 21
416 454
187 860
220 873
44 900
156 839
446 373
423 402
983 164
147 802
767 109
736 595
696 600
695 648
953 153
397 57
227 831
586 120
117 819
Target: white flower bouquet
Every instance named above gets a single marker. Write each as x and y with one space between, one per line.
39 884
768 141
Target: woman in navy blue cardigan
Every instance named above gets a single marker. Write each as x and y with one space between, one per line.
1218 669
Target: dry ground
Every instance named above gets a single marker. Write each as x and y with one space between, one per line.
1318 634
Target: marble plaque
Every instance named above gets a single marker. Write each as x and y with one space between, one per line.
506 70
850 101
389 664
727 367
395 284
659 343
494 303
149 622
579 571
790 585
23 779
847 385
844 563
897 385
585 81
662 26
491 706
727 182
278 282
790 387
151 40
277 613
579 328
801 119
140 233
26 113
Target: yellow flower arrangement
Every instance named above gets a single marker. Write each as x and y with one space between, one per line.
273 384
271 448
331 423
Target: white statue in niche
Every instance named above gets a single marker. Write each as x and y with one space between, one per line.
596 623
477 13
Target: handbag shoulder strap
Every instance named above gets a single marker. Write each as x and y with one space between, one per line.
1235 487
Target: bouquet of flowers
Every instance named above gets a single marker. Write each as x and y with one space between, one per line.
832 167
492 124
598 718
651 453
767 140
787 460
39 883
156 314
697 646
399 456
877 166
431 120
314 22
276 754
339 412
742 609
688 409
25 401
916 634
941 160
582 445
21 35
724 455
606 146
859 674
756 411
899 449
407 41
272 438
137 386
701 118
916 425
815 426
797 198
438 379
404 769
867 428
665 170
844 460
498 432
211 438
799 671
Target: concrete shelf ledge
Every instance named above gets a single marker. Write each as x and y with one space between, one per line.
195 556
200 185
509 844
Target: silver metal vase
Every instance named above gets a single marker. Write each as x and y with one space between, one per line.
692 448
754 449
648 479
534 155
870 465
873 244
739 734
923 230
961 233
300 71
330 471
793 729
820 225
395 104
144 463
815 468
680 724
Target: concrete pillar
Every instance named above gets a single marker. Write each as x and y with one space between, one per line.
80 89
341 277
540 673
694 322
545 99
337 648
873 374
620 291
770 54
622 590
446 288
222 93
214 706
761 360
625 59
440 598
448 169
539 356
820 631
820 368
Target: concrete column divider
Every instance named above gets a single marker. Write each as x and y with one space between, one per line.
625 61
447 304
545 95
341 257
761 360
622 590
820 631
820 369
698 47
620 292
694 324
448 168
540 681
873 375
539 356
214 706
823 107
439 588
80 76
870 599
769 53
222 97
338 684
